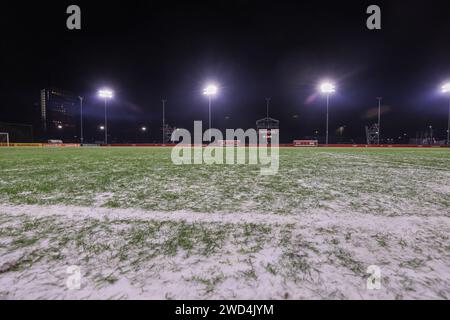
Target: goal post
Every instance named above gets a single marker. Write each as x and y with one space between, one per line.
4 139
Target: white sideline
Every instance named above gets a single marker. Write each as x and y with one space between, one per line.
315 218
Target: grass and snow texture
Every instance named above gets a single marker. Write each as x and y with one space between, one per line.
140 227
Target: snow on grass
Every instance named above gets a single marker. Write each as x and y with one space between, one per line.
381 181
127 253
140 227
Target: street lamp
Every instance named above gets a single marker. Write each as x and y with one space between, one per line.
431 133
106 94
163 120
210 90
327 88
446 90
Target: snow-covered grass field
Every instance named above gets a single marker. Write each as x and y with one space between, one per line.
140 227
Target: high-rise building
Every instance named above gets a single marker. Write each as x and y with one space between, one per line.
60 113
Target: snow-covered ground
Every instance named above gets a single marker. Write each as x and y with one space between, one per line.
138 227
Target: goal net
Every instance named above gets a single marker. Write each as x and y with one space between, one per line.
16 133
4 139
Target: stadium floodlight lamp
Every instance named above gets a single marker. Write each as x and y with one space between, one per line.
445 87
105 93
327 87
210 90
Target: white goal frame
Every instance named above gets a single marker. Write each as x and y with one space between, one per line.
7 137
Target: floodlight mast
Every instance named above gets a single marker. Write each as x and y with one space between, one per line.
210 90
379 119
105 94
327 88
446 90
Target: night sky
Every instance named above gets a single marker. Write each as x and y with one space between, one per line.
147 50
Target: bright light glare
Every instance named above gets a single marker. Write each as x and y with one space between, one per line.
446 87
105 93
102 128
59 126
144 128
327 87
210 90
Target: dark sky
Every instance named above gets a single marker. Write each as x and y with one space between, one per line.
147 50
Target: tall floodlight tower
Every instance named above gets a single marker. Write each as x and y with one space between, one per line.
379 119
446 90
327 88
210 90
106 94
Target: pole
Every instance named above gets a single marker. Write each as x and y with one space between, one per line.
379 119
326 142
448 125
163 121
209 100
81 120
431 134
267 107
106 126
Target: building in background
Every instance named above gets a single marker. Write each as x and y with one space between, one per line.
59 115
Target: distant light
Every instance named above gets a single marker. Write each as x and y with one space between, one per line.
144 128
60 126
210 90
445 87
105 93
102 127
327 87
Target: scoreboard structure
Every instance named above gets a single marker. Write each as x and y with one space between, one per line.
268 134
268 127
